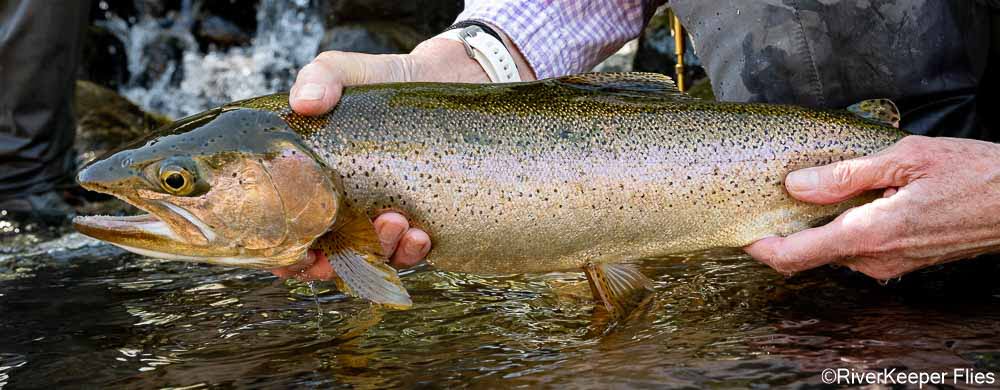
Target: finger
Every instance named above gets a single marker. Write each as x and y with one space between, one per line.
788 255
837 241
295 269
390 227
845 179
316 90
412 248
319 84
319 270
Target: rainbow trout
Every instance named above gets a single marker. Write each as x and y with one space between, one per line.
579 172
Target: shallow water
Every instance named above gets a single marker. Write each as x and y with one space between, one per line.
93 316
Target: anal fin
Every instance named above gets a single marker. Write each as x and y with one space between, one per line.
354 253
618 288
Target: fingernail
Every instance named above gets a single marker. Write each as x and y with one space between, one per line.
803 179
311 91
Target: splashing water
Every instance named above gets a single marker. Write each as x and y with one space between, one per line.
287 37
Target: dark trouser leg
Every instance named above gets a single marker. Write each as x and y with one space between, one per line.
39 50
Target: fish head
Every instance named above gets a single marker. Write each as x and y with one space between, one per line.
233 187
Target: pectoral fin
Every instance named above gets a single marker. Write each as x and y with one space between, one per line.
619 288
355 254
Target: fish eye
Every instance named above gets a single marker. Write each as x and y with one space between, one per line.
176 180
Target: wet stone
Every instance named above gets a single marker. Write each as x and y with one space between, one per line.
217 32
102 58
371 38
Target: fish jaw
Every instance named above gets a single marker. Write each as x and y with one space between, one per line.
171 232
150 236
165 230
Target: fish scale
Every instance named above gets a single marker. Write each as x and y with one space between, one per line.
552 175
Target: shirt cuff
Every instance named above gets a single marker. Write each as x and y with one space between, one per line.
564 36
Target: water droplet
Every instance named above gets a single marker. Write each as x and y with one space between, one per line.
319 310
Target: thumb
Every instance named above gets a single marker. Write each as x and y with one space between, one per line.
845 179
319 85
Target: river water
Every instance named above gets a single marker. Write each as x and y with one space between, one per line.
88 315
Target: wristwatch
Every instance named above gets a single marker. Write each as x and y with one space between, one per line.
485 46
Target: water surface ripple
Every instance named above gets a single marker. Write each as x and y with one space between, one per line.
96 317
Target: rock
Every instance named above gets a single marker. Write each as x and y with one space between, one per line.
106 9
132 10
156 8
428 17
238 15
382 26
106 121
216 31
163 54
371 37
103 59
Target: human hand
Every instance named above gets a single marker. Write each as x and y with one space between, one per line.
319 84
941 203
402 245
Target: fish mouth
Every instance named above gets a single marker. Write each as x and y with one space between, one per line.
165 231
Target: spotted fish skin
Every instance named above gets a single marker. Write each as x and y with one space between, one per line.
555 174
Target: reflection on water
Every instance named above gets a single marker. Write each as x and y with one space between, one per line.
98 317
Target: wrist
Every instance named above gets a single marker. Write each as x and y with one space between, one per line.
524 69
445 60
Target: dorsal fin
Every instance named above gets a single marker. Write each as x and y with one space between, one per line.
882 111
633 83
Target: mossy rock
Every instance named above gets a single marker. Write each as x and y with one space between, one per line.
106 121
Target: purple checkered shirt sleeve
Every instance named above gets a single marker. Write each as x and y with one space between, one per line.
559 37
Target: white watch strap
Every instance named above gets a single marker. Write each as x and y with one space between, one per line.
491 54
